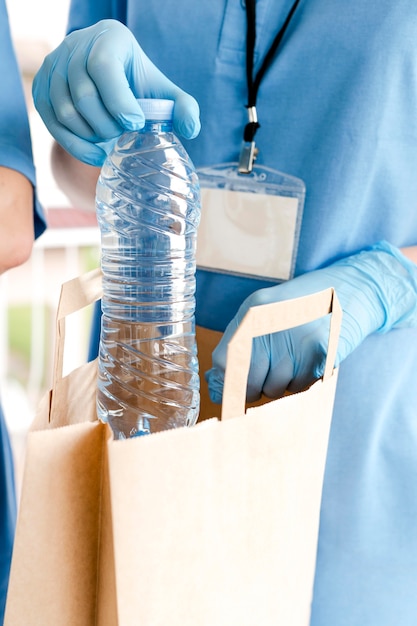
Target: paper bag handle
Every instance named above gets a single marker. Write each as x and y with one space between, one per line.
76 294
266 319
86 289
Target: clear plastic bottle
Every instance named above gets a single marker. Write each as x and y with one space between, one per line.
148 209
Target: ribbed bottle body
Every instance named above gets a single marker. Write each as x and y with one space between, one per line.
148 209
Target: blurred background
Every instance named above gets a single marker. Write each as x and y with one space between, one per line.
29 294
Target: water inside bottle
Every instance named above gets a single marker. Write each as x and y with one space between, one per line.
148 210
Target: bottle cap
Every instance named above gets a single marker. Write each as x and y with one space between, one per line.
156 109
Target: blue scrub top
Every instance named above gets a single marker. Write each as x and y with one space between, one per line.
15 153
338 109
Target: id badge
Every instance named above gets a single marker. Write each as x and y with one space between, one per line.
250 223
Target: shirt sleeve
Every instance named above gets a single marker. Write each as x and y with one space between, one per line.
85 13
15 139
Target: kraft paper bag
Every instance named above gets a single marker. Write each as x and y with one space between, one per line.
63 532
216 524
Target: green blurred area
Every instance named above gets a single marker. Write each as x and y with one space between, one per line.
20 327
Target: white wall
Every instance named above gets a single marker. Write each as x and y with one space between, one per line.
38 20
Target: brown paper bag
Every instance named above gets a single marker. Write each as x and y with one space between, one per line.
211 525
64 523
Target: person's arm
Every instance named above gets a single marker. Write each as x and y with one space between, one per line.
76 180
16 218
411 253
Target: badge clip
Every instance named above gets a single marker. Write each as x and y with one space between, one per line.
247 157
249 151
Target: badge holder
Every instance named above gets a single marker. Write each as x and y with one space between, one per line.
250 222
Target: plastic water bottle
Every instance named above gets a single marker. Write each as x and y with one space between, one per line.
148 209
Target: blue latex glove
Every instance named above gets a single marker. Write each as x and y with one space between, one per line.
86 90
377 289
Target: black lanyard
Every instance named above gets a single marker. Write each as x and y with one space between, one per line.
249 150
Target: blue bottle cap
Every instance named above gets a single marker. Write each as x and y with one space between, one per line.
156 109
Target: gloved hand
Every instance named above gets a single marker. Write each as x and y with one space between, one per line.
377 289
86 90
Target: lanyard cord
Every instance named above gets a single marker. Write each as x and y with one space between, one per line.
253 84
